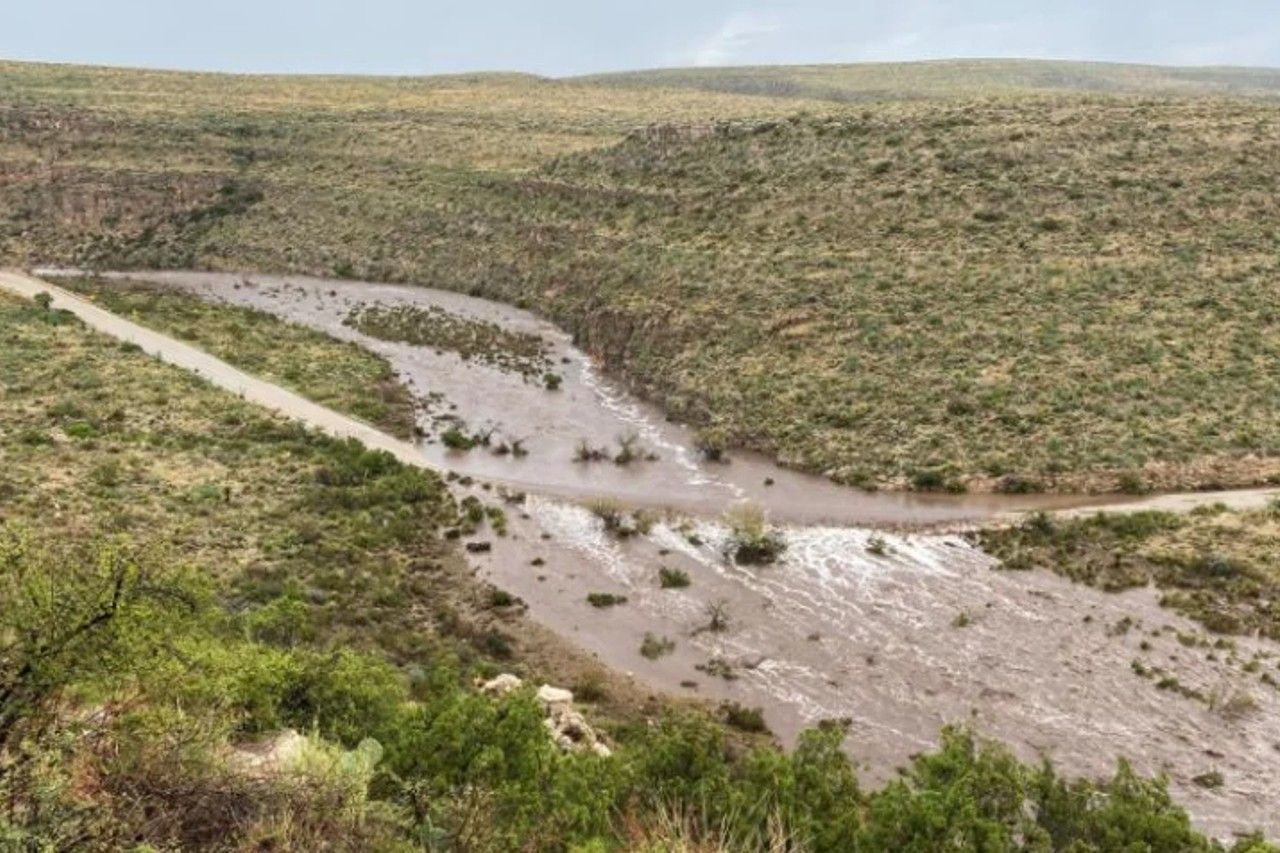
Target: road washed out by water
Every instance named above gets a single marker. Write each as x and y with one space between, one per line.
878 613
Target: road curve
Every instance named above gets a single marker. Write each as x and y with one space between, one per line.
214 370
299 408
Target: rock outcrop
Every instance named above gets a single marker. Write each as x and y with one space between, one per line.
568 729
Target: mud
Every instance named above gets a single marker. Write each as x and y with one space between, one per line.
898 643
587 407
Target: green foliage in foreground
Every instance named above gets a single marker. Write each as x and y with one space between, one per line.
158 680
288 580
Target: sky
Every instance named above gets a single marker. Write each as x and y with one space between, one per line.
568 37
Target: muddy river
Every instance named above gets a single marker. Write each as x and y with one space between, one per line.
876 614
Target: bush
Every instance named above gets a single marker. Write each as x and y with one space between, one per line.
654 647
743 718
712 443
752 541
455 439
672 578
935 480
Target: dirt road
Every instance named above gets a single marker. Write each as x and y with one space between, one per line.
838 629
214 370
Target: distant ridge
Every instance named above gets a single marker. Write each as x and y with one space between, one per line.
940 78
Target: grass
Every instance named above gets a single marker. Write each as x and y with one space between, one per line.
669 578
752 540
101 440
1076 285
342 376
875 81
262 505
1216 566
269 512
485 342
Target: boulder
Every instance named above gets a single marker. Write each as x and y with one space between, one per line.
571 732
501 685
552 697
270 756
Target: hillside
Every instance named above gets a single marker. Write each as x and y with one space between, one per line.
1022 292
183 575
956 77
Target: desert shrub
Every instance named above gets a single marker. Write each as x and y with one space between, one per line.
455 439
672 578
752 541
618 521
935 480
605 599
743 718
81 614
653 647
712 443
629 449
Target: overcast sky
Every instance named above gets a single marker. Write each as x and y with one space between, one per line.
564 37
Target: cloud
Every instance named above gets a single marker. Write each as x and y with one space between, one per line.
736 35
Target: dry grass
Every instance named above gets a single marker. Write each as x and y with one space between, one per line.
1022 293
953 78
1217 566
342 376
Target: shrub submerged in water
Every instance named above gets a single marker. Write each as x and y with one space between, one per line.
753 541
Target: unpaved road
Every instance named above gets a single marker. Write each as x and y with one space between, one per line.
836 629
215 370
591 408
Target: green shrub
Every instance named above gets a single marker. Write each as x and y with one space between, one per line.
753 542
455 439
654 647
672 578
743 718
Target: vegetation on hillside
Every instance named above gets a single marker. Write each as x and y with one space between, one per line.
182 575
343 376
1019 293
1218 566
952 78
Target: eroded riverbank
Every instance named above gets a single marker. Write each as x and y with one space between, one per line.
587 407
897 633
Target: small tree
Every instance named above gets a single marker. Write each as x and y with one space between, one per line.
75 618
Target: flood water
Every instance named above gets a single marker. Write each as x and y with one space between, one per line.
897 630
588 408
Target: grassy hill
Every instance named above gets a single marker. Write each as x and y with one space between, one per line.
183 574
950 78
1022 291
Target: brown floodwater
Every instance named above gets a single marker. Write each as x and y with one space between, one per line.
899 633
588 407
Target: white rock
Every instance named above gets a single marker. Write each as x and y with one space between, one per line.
501 685
271 755
553 696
